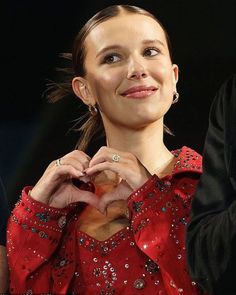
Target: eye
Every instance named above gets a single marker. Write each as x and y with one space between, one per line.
111 58
151 51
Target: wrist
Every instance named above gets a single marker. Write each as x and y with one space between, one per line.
32 195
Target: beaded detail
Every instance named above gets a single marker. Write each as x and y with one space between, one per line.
148 257
115 266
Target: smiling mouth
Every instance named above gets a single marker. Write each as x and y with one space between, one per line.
139 92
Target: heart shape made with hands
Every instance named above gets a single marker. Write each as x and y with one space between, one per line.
102 189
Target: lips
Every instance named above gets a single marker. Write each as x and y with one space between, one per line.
139 91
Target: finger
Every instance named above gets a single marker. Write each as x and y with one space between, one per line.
50 181
105 201
85 178
115 167
80 156
106 154
110 197
86 197
122 192
76 158
69 161
66 172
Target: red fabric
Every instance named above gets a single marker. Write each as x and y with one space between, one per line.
48 254
115 266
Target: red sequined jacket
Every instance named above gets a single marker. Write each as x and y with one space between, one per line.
38 235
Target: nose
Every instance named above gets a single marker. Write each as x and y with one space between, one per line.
136 70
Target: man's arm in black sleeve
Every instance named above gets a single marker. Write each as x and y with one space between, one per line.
211 233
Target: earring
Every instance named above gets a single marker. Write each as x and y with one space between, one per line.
175 97
93 110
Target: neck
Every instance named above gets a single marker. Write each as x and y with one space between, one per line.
146 143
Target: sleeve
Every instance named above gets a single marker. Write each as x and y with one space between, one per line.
34 232
4 214
150 208
159 212
211 233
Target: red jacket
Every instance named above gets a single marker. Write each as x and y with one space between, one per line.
159 212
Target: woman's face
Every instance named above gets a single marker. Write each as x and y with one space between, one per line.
129 73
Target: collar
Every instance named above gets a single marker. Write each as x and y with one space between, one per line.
188 160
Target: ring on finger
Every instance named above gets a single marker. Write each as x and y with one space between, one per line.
58 162
115 158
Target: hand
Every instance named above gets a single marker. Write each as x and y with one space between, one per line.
56 188
132 173
121 192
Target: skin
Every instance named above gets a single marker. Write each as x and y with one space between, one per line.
3 270
114 63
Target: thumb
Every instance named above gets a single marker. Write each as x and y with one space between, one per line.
86 197
106 200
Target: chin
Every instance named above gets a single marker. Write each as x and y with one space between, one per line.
147 116
141 123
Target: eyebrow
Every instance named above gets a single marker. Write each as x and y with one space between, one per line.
112 47
116 46
153 42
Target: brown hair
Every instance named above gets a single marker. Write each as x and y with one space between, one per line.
56 91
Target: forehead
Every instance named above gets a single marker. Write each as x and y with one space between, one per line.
124 27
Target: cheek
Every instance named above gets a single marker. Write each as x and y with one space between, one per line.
165 76
162 67
165 72
105 82
111 80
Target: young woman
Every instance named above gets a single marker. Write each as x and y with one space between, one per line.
114 223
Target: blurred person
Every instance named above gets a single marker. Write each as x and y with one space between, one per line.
211 236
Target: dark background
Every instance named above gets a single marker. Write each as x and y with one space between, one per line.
34 132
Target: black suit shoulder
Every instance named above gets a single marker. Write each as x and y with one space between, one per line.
211 233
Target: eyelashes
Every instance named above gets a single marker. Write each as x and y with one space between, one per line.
151 51
111 58
115 57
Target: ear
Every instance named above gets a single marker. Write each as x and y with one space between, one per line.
175 70
81 89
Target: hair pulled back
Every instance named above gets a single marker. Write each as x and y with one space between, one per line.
56 91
